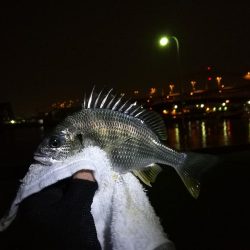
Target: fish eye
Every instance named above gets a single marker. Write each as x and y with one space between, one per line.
55 142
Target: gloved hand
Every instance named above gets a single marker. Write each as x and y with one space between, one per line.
58 217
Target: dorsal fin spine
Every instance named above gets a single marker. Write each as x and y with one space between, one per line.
111 101
135 110
117 102
91 97
131 105
105 98
97 99
124 104
140 113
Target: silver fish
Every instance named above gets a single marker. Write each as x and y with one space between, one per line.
130 135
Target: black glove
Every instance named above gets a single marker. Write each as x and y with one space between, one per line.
58 217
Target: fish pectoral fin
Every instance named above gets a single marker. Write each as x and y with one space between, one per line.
148 175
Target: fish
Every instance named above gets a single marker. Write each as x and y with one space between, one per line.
132 136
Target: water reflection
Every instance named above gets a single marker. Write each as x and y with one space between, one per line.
203 134
208 133
249 131
227 132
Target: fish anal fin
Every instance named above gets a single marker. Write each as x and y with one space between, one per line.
148 175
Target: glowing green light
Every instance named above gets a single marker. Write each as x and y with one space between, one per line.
164 41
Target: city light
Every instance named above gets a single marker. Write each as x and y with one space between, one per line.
218 79
193 83
171 88
152 91
247 76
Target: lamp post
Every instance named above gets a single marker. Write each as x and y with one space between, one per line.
218 79
193 83
163 42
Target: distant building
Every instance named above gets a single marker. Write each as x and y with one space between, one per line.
6 112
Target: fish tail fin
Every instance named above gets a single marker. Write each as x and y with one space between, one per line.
192 169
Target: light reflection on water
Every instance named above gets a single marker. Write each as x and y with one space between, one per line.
249 131
208 133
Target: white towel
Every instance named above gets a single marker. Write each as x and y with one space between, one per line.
123 215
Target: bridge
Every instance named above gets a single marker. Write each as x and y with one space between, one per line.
238 94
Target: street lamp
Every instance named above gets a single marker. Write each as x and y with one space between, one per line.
171 87
193 83
163 42
218 79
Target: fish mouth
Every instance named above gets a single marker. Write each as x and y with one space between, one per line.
42 159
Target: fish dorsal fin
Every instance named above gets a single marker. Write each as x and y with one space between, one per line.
148 175
107 100
155 122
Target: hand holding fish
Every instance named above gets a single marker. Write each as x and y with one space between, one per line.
84 175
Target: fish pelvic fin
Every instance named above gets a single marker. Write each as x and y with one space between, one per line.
148 175
192 169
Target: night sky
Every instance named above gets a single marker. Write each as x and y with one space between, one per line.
51 52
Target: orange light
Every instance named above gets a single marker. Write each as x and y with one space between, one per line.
152 91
